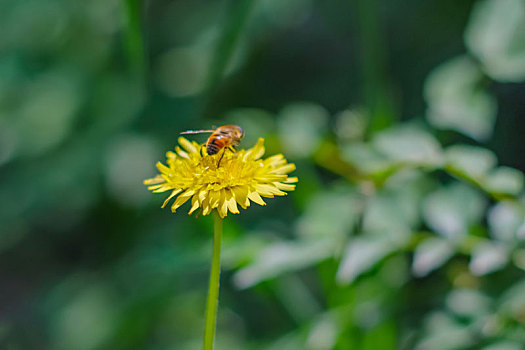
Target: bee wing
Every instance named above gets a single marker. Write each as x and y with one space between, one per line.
197 131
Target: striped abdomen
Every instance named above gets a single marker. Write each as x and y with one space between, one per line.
216 142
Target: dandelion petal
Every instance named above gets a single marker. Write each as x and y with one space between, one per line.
256 198
173 194
241 196
183 198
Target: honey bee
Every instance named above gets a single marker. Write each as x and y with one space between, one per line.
224 137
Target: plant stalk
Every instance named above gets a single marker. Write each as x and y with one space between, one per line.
213 291
374 65
134 36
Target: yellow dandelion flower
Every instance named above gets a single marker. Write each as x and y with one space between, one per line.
241 177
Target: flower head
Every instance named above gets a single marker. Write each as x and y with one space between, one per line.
239 178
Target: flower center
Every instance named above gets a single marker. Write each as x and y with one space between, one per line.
230 172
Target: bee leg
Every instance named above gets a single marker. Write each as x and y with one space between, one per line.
232 149
200 151
222 155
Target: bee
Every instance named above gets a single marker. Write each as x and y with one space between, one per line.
224 137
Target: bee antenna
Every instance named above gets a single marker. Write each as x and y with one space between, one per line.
196 131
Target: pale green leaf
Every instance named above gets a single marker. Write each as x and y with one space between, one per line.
512 301
300 126
504 345
281 258
409 144
488 257
504 180
450 210
361 255
496 36
365 157
444 332
455 100
430 255
330 214
506 221
468 303
472 161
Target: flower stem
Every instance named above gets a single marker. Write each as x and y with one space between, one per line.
213 291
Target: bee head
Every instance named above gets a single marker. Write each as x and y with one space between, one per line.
238 134
241 132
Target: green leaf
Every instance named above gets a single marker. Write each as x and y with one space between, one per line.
290 341
504 345
512 301
472 161
391 214
323 334
456 102
182 71
281 258
496 36
365 157
241 250
48 114
477 165
330 214
398 205
443 332
87 320
504 180
488 257
450 210
350 124
430 255
300 127
383 336
361 255
506 221
468 303
409 144
286 13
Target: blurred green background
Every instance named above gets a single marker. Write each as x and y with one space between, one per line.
405 121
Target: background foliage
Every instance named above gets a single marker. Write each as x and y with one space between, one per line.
404 119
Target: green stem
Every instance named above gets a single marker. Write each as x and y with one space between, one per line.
237 14
374 65
134 41
213 291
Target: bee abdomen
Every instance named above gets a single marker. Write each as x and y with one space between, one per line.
212 149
